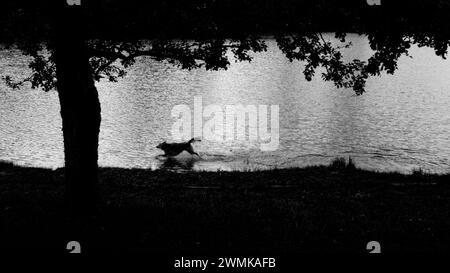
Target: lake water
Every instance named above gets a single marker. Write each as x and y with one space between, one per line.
401 123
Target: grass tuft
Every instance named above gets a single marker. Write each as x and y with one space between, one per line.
4 165
340 163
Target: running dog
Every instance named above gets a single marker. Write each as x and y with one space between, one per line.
174 149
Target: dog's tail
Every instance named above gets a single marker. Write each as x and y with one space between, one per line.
193 140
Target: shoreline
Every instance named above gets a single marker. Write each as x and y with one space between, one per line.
182 169
316 209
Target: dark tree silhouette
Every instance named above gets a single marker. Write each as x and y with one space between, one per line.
70 53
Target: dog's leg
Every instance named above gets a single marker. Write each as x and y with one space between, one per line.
194 153
191 151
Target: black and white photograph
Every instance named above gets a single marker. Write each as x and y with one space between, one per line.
225 134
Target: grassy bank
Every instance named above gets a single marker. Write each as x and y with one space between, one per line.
336 208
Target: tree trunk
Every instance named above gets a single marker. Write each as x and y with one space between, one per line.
80 111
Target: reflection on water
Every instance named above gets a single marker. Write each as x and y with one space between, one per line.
176 163
403 122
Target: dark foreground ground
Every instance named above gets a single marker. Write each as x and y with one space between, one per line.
317 209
